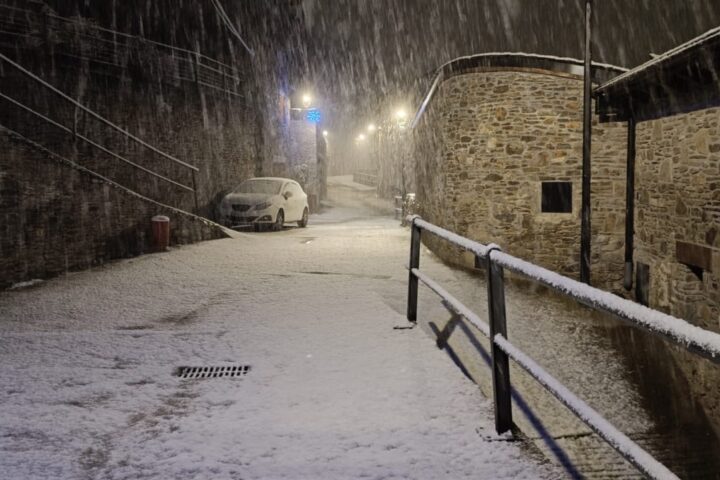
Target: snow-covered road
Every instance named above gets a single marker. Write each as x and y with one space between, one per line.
88 363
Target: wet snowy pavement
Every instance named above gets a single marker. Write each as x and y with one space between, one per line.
89 360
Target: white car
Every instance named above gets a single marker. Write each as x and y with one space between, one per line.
265 201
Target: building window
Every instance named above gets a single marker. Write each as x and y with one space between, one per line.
556 197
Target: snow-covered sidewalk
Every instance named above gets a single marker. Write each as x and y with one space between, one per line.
89 387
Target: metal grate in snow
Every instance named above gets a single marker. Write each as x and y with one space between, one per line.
213 372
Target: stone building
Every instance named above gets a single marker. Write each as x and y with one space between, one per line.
673 232
498 146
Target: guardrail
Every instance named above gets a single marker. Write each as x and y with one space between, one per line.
495 261
73 131
108 47
365 178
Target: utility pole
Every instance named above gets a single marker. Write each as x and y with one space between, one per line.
585 229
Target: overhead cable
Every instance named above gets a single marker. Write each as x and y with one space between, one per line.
228 23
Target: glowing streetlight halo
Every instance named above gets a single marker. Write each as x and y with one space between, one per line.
306 100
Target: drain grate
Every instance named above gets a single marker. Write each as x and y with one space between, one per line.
213 372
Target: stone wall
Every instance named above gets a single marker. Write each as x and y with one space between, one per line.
678 201
209 129
230 126
485 144
56 217
49 226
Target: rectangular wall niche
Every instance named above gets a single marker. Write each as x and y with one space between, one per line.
642 283
556 197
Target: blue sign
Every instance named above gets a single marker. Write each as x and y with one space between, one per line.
313 115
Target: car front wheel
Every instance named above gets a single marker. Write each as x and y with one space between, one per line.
304 220
279 221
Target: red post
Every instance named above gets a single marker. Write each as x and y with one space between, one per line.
160 233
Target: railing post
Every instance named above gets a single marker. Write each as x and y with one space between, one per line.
415 232
500 362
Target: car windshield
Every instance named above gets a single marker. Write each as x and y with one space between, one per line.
270 187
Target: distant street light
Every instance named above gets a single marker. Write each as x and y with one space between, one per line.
325 133
361 137
371 127
306 100
401 115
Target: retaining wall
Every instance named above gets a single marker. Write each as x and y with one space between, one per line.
57 217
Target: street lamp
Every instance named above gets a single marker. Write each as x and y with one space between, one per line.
401 115
325 133
306 100
371 128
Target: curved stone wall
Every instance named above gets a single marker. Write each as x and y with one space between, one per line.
485 144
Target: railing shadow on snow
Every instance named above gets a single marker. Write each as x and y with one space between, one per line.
443 336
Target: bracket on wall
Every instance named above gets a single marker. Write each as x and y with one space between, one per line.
698 258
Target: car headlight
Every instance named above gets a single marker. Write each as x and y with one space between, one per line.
263 206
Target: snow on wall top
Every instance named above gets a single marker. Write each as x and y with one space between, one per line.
519 56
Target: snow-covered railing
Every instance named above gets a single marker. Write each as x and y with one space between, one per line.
365 178
680 332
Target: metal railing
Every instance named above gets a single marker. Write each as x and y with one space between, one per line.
73 131
109 47
365 178
495 262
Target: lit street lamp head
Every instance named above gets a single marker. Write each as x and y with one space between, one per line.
401 114
306 100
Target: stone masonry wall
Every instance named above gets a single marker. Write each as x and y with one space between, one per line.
56 218
485 144
216 132
210 129
678 200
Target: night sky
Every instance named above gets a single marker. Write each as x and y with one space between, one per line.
366 54
363 57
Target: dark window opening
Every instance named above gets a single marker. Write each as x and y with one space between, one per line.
556 197
697 271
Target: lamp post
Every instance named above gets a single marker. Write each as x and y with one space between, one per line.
585 227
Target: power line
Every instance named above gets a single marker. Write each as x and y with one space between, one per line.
228 23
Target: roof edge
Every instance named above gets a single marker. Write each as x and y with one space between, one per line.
682 48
